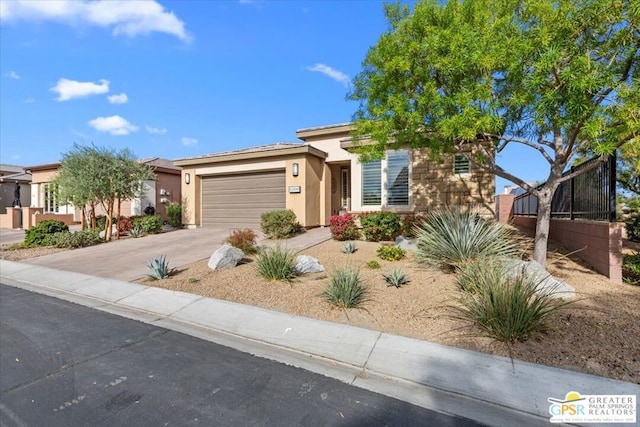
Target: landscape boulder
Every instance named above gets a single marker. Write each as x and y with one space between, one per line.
547 284
225 257
114 232
406 244
306 264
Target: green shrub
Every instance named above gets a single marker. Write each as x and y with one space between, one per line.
159 268
482 273
276 263
373 264
632 224
343 227
450 237
409 224
42 234
396 278
245 240
349 248
101 222
377 226
504 306
279 224
391 253
631 268
345 289
174 214
150 224
77 239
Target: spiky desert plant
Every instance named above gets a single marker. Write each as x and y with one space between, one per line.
349 247
504 306
451 236
159 268
345 288
276 263
136 231
396 278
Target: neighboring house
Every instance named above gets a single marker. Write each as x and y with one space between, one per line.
322 177
11 175
157 193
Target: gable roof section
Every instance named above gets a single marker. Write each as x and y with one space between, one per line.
262 151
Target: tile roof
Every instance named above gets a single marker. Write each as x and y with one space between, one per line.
258 149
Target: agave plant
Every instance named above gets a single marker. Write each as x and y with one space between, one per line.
450 237
396 278
136 231
349 248
159 268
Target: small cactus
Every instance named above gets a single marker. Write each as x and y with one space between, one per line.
396 278
159 268
349 247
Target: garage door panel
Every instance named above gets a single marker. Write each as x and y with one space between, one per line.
239 200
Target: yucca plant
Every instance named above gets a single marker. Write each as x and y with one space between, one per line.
483 273
504 306
450 237
396 278
159 268
349 248
276 263
345 288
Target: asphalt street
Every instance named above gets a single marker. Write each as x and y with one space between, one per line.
63 364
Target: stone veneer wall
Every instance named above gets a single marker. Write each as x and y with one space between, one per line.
434 185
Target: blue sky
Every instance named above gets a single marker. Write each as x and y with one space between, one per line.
182 78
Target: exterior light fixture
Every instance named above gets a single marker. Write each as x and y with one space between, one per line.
187 178
295 169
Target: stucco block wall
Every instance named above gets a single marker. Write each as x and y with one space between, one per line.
504 207
434 185
599 244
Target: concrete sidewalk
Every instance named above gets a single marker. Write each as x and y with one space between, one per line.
485 388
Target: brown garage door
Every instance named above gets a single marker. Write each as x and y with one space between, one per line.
233 201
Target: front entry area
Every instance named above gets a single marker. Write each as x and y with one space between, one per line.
238 200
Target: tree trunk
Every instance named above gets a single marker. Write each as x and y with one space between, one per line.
94 224
108 223
545 196
118 221
83 218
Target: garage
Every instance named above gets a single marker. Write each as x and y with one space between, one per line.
238 200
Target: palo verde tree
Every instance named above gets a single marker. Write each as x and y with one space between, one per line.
91 176
555 76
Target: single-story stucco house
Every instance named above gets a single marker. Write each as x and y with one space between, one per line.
320 177
164 189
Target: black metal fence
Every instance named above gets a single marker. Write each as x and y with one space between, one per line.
590 195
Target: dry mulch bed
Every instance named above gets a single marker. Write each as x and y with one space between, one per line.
599 334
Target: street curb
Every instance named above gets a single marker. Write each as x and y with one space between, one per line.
426 374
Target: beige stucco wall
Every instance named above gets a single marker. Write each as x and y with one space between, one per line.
190 198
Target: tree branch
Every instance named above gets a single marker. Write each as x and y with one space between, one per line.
522 141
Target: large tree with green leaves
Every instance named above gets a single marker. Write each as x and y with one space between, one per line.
91 176
557 77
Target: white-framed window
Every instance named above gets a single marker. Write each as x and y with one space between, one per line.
393 171
461 165
372 183
51 204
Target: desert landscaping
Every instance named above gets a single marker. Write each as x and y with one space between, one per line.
598 334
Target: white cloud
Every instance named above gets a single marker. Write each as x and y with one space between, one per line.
118 99
153 130
69 89
336 75
115 125
187 142
12 75
129 18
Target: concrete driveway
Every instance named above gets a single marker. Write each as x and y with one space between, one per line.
127 259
